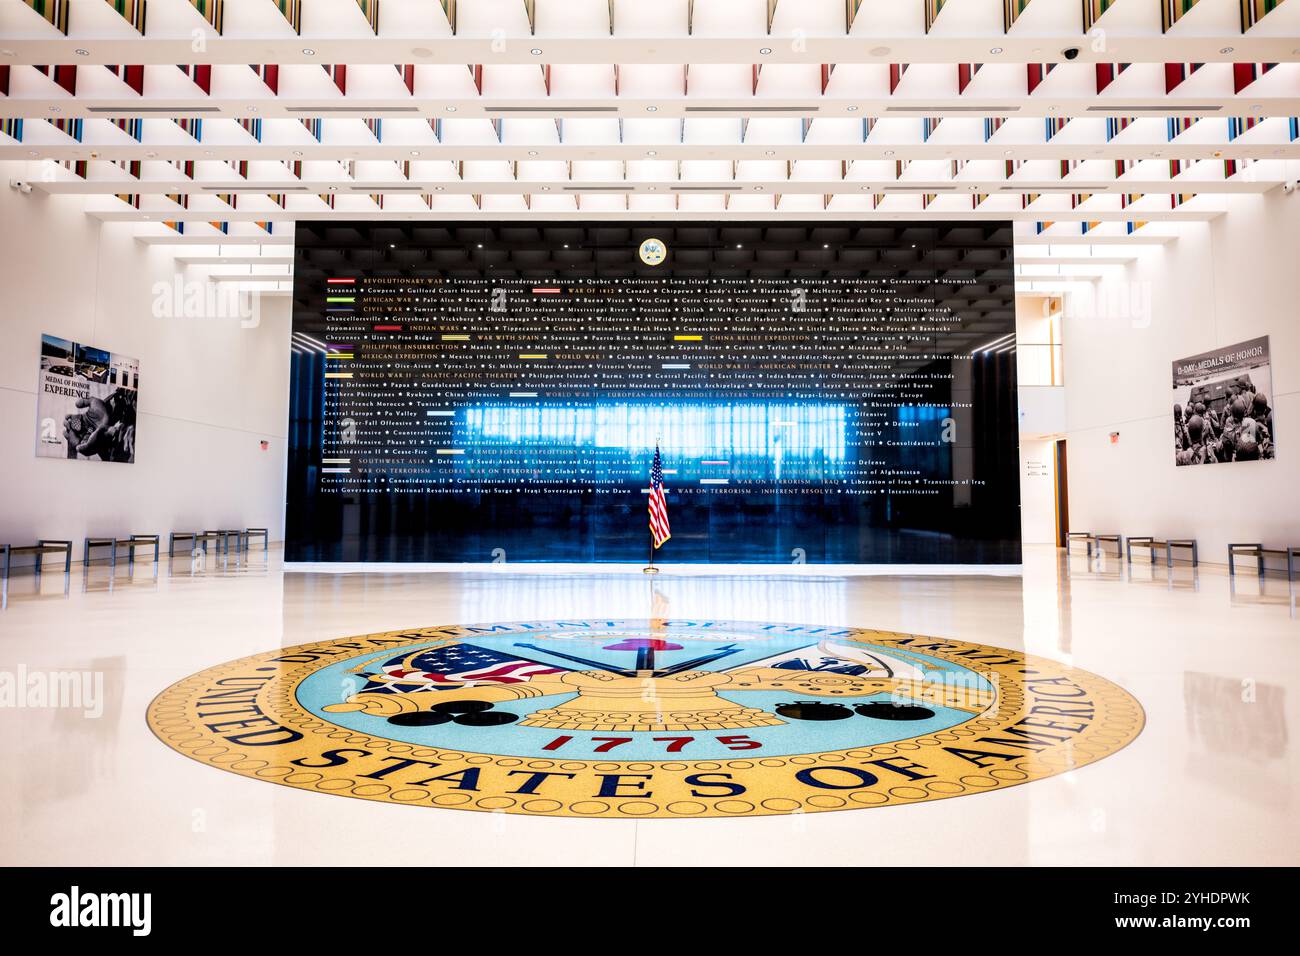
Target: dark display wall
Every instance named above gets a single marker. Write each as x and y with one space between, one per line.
820 393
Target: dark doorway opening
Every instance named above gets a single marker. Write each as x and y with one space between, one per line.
1062 496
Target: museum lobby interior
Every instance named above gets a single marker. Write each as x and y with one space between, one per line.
612 433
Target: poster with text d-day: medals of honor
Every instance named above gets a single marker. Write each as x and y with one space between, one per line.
85 402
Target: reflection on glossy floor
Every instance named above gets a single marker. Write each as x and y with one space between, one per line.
1209 781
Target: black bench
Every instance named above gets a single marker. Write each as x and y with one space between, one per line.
130 544
41 548
195 536
1153 544
1116 539
225 534
1073 536
1095 540
1259 551
263 533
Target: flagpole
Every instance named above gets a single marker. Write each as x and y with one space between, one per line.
650 565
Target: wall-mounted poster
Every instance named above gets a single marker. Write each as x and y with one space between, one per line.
85 407
1222 405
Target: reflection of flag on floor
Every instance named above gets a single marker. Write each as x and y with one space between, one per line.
456 665
658 505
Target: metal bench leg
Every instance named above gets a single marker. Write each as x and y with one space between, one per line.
1232 568
6 551
1195 559
85 557
112 558
1128 551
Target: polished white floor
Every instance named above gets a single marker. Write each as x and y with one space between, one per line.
1213 779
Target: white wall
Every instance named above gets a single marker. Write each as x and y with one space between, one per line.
210 391
1221 282
1037 491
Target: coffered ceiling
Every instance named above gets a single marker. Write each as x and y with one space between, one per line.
1096 127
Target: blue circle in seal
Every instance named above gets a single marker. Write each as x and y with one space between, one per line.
619 646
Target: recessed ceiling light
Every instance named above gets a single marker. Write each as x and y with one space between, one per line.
864 188
1006 152
758 188
826 245
889 152
546 189
308 51
297 152
770 152
480 245
1226 49
651 152
852 109
451 109
415 152
7 53
421 51
54 109
392 245
532 152
81 52
536 51
252 109
764 51
996 50
652 109
880 51
151 154
653 188
32 152
334 189
739 246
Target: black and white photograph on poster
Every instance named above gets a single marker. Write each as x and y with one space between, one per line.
1222 405
86 403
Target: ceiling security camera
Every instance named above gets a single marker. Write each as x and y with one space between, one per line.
1070 52
20 185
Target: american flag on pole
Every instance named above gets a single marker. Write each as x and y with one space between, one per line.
658 506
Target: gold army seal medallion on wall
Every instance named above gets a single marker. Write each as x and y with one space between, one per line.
659 718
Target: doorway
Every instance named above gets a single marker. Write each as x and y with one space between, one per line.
1062 495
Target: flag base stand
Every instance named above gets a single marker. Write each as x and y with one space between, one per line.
650 569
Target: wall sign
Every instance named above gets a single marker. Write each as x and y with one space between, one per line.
86 402
1223 409
464 391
